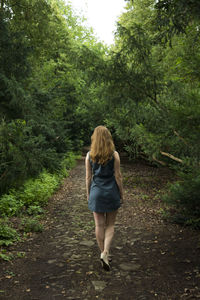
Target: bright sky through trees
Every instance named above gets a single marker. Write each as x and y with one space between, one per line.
102 15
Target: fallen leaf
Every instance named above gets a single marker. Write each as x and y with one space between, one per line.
89 273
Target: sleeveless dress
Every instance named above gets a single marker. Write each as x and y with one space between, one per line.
104 191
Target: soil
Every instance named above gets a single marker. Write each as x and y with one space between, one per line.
151 258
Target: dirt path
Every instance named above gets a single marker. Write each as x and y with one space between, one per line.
151 259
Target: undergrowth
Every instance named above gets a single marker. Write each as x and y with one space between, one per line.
183 200
27 205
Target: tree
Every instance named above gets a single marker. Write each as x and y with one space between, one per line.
174 16
41 87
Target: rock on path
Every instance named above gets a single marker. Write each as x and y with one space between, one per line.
151 260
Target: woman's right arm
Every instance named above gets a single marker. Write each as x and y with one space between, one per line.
88 174
118 175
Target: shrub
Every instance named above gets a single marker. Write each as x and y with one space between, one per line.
5 256
184 196
67 163
9 205
8 235
35 210
31 225
37 191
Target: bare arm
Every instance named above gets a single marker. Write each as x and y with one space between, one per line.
118 175
88 174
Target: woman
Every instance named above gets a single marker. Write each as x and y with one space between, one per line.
104 188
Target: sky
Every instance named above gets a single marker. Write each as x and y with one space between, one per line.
102 16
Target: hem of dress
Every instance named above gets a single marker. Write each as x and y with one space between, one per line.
105 211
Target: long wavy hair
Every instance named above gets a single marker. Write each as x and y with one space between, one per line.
102 145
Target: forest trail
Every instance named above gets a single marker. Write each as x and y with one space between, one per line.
152 259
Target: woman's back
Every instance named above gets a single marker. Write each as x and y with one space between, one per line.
103 171
104 192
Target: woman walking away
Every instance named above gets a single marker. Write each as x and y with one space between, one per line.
104 188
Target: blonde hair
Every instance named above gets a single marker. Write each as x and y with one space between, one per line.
102 146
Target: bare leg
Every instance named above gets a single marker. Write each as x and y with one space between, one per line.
109 231
99 219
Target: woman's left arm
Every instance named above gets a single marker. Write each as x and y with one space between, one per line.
88 174
118 175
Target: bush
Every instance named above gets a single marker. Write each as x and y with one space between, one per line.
35 210
8 235
184 196
37 191
9 205
67 163
31 225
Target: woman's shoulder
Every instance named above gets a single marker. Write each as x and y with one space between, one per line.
116 154
87 155
116 157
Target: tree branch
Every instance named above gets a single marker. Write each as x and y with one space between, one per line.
180 137
172 156
159 161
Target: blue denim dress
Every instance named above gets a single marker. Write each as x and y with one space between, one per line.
104 191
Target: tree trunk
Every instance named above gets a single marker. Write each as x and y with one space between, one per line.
2 4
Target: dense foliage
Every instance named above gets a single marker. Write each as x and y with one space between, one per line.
154 90
57 82
42 45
